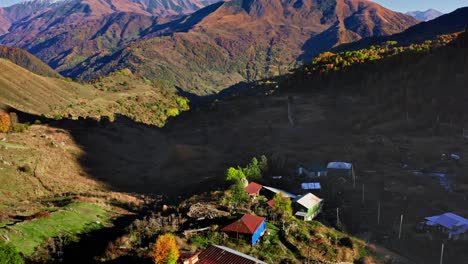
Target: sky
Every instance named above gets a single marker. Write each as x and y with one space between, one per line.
444 6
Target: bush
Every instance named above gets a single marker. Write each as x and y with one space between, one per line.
9 254
19 128
5 122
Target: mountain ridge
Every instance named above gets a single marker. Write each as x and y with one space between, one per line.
427 15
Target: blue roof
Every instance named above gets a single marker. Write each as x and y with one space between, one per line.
450 221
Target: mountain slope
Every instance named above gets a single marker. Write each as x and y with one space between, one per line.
427 15
453 22
27 60
245 40
66 34
120 93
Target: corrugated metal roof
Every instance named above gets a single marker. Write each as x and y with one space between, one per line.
311 186
448 220
309 200
215 254
248 224
276 190
339 165
253 188
271 203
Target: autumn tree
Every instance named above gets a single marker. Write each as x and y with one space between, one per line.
165 251
5 122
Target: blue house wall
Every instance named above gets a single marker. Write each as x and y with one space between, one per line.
258 233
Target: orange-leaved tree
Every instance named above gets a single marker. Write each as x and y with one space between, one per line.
165 251
5 122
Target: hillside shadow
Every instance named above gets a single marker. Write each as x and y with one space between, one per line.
319 43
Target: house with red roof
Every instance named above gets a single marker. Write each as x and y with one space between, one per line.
253 189
215 254
249 227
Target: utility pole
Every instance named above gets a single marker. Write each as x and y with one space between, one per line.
442 254
378 214
354 177
337 217
362 193
401 224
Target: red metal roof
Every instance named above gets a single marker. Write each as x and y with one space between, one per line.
253 188
271 203
248 224
224 255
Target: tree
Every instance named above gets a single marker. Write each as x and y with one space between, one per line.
282 204
235 175
263 164
5 122
9 254
165 251
252 171
238 193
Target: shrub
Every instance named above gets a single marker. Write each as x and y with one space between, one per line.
9 254
37 122
5 122
19 128
165 251
172 112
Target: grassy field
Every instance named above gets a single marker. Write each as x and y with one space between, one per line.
73 219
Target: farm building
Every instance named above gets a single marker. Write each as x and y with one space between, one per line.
253 189
307 207
454 225
215 254
270 192
340 169
249 227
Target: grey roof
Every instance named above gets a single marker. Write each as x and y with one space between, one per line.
276 190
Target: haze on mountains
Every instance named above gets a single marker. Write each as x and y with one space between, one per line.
427 15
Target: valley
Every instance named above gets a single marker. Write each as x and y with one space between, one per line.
187 119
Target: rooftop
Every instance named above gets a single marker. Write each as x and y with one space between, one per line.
215 254
448 220
309 200
339 165
275 190
248 224
253 188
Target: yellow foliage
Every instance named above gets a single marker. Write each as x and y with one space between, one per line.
165 251
5 122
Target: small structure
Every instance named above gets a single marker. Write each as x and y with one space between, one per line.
215 254
311 186
253 189
271 191
455 225
316 170
341 169
307 207
271 203
250 227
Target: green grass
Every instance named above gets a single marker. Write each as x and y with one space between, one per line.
73 219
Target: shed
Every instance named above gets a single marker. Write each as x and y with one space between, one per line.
455 225
341 169
253 189
249 226
307 207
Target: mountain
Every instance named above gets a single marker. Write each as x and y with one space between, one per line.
27 60
15 13
67 32
427 15
239 40
450 23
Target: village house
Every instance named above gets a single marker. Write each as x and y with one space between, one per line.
307 207
253 189
311 186
315 171
454 225
215 254
249 227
